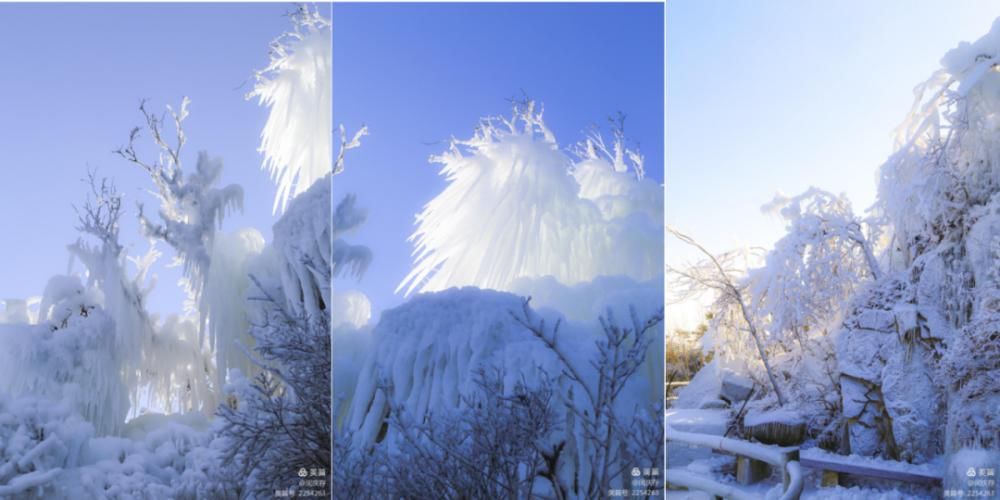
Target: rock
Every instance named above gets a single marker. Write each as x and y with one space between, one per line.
735 388
876 319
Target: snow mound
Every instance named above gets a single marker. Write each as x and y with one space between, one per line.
429 349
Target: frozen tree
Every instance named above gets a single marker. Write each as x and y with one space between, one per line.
191 211
812 272
348 259
351 260
803 289
191 207
516 206
297 88
725 276
121 297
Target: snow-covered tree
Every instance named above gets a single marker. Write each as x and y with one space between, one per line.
190 214
516 206
735 330
809 276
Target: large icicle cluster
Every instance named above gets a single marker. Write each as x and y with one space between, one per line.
302 239
297 87
430 349
223 300
517 206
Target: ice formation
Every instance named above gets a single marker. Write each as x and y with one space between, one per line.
223 300
297 87
426 358
430 348
517 206
303 241
349 260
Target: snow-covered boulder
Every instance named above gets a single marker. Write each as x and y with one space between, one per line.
735 387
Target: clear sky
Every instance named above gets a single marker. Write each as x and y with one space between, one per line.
420 74
72 78
776 96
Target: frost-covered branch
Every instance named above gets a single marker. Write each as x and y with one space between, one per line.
620 353
191 208
280 421
346 146
499 447
715 276
621 157
101 212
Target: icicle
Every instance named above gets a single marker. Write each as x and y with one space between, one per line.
516 206
297 87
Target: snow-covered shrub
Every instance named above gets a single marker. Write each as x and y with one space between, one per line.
500 444
72 361
38 441
440 360
279 421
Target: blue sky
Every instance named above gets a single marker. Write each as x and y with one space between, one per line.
72 79
420 74
776 96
